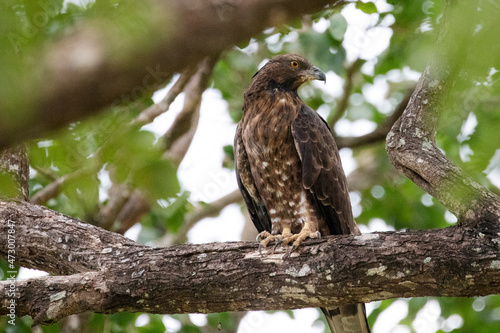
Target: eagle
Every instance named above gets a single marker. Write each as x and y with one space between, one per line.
289 170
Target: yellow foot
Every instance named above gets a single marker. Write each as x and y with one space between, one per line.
264 238
287 237
297 239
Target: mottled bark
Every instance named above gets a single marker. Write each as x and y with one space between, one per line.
104 272
14 173
411 143
109 273
411 146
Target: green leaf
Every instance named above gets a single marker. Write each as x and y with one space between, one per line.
326 52
366 7
83 192
189 328
226 321
228 161
228 150
295 24
157 178
173 214
338 26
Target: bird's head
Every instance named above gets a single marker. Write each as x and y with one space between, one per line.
287 72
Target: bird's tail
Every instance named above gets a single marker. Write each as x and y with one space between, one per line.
347 318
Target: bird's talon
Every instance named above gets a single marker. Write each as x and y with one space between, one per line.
262 236
288 252
260 248
295 240
276 245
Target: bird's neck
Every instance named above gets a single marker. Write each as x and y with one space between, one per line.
268 104
271 86
286 87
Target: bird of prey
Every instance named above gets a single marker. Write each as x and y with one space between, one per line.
289 169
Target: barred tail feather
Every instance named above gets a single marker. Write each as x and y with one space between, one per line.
347 319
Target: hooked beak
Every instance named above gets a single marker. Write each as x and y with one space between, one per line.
317 74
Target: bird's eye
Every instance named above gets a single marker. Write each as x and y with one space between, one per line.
294 64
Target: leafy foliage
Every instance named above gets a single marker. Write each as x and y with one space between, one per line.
107 149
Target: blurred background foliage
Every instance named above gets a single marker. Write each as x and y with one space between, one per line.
373 52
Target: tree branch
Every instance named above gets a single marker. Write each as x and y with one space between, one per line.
132 211
344 101
179 136
129 209
119 194
128 61
380 133
14 173
148 115
53 189
111 273
411 146
200 212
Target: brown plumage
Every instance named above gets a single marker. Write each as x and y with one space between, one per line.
289 170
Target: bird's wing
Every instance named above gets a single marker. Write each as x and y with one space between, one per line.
323 175
322 171
257 210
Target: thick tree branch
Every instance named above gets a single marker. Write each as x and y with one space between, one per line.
111 273
107 60
72 241
411 146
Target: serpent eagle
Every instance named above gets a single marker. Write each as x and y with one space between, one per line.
289 169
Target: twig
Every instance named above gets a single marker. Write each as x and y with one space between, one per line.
149 114
380 133
344 101
53 189
184 121
47 173
135 207
178 139
200 212
119 194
